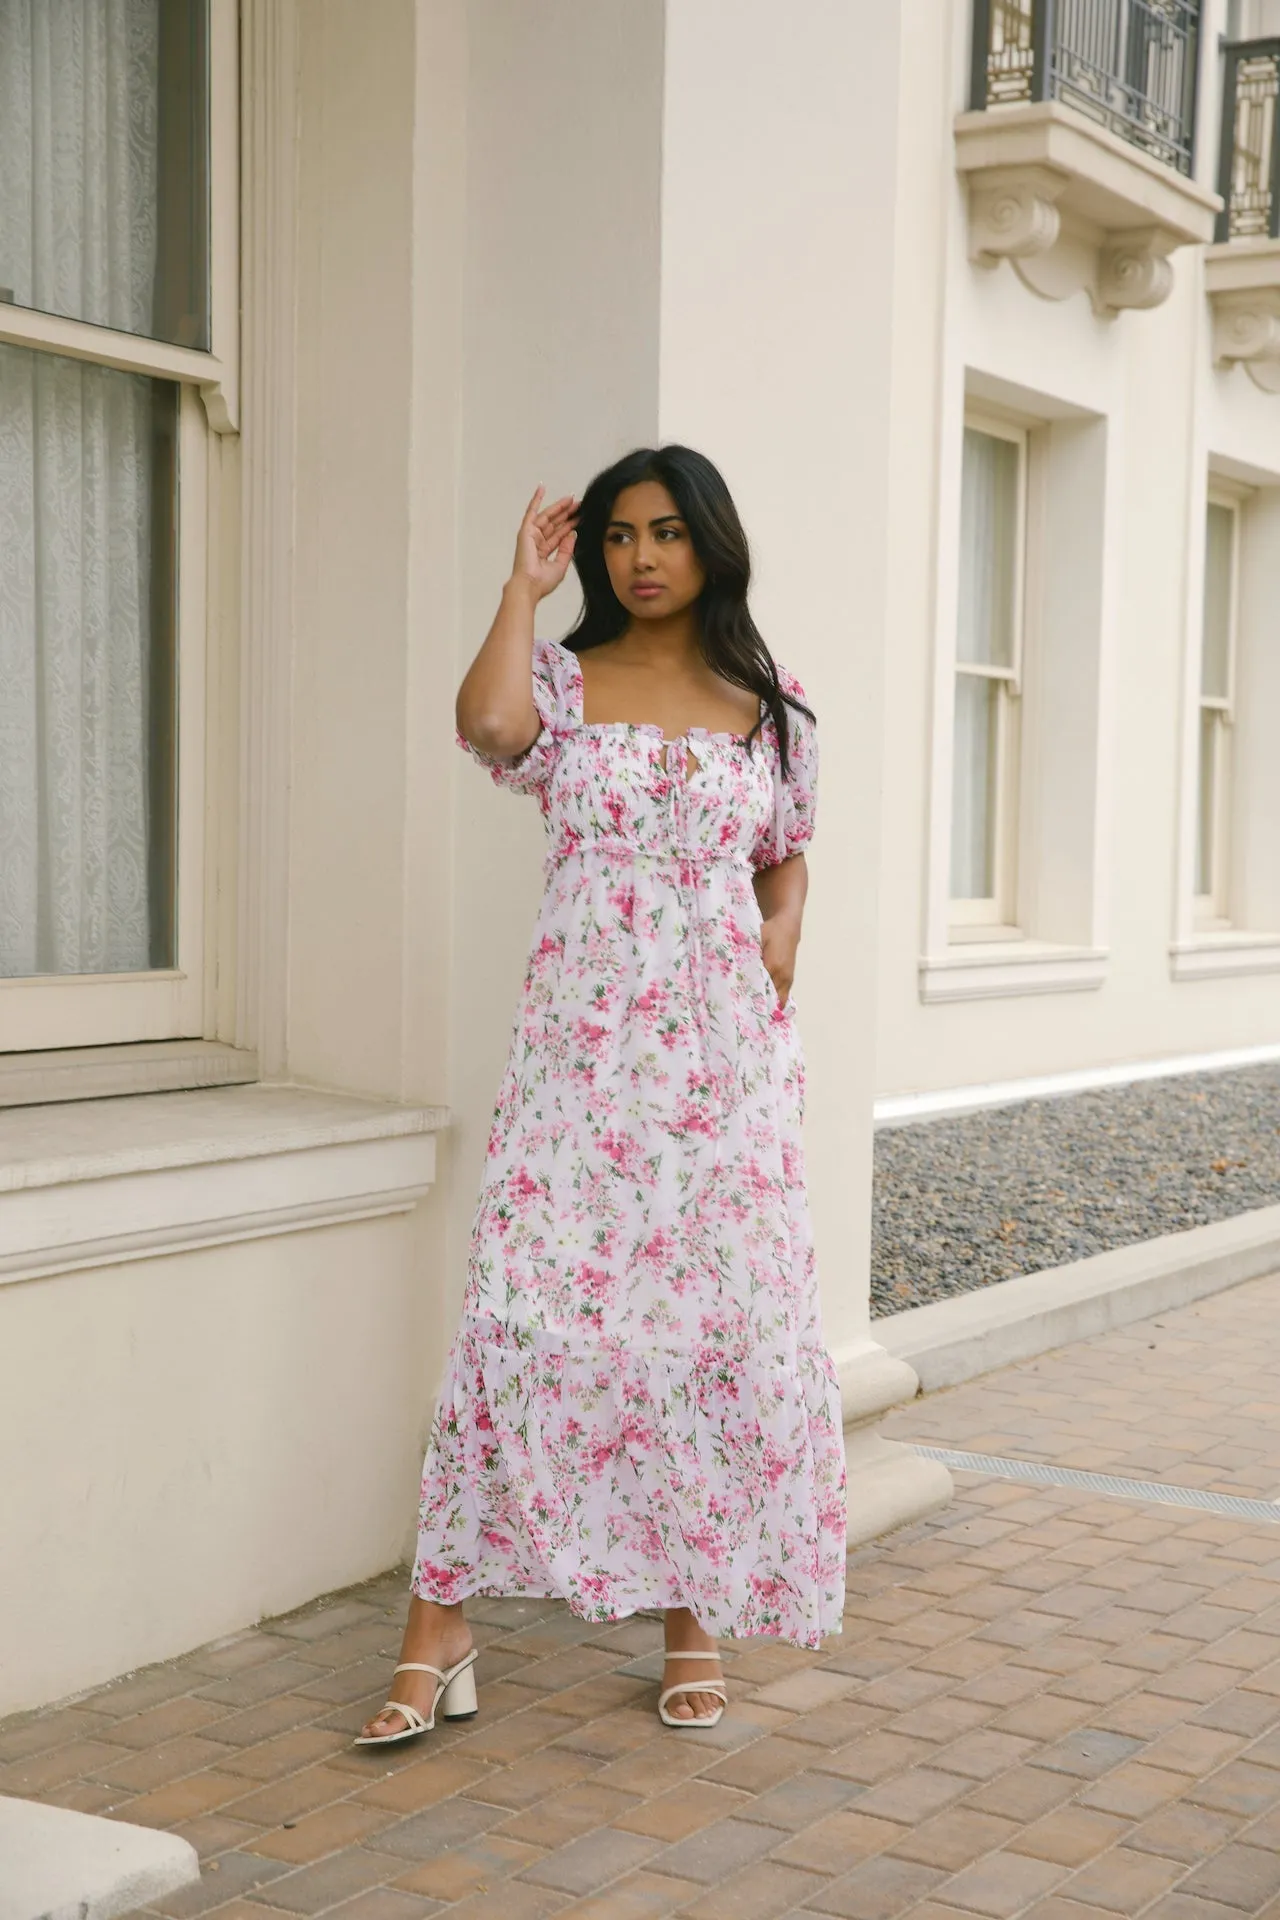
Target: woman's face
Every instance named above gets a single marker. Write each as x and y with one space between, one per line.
649 553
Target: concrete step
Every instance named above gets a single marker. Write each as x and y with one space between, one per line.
59 1865
951 1341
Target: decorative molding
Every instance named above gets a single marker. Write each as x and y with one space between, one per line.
1004 970
1221 956
269 163
1073 207
888 1485
1013 212
105 1073
105 1181
872 1382
222 397
1242 280
1134 271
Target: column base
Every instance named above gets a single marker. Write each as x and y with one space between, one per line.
889 1485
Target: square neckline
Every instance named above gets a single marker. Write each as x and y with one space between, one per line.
582 725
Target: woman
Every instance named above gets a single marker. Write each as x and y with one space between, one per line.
638 1411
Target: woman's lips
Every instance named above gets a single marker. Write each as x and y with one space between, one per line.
647 589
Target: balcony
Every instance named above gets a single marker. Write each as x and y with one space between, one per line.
1242 271
1078 145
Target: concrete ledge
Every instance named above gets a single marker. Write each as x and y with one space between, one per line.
955 1340
58 1865
888 1486
97 1182
103 1073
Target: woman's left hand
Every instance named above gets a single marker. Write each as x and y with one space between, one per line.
779 939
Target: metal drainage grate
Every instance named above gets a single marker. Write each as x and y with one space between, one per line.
1106 1483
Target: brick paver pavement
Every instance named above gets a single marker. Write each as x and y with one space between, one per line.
1046 1705
1191 1396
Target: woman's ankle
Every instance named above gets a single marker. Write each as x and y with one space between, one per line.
683 1633
429 1623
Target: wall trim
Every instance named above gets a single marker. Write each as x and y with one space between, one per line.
103 1073
897 1110
269 93
1002 970
95 1183
1219 956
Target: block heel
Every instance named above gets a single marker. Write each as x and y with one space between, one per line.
458 1699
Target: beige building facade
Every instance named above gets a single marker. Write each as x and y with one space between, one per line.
998 412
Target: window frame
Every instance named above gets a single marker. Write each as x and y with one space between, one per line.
1212 911
57 1011
995 916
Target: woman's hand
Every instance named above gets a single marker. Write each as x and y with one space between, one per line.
779 939
545 543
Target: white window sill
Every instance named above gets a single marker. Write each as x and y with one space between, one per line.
98 1182
104 1073
983 932
1213 955
1004 968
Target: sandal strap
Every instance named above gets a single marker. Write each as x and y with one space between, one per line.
713 1687
415 1721
669 1655
419 1666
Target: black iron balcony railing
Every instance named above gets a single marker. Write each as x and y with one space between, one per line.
1249 160
1128 64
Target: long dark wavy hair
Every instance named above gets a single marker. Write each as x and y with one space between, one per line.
732 644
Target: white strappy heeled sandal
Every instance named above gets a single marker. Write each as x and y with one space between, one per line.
693 1686
455 1696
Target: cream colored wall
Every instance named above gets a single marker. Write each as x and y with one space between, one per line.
196 1441
728 198
347 890
1147 375
559 377
777 222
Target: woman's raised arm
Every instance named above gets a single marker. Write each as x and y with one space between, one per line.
495 709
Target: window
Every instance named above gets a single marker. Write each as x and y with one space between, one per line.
988 681
108 318
1217 693
1028 593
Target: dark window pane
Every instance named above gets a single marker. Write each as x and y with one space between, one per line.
104 176
87 679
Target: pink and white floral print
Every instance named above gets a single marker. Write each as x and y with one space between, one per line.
638 1410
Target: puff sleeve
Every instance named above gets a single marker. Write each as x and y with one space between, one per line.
531 770
795 799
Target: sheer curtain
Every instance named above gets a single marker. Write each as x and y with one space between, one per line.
78 105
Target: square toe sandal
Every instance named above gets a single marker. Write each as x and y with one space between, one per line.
455 1695
691 1686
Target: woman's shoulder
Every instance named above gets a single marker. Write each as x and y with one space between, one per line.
790 682
556 666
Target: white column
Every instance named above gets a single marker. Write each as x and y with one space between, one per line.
780 133
558 378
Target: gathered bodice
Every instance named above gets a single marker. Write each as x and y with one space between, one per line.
625 789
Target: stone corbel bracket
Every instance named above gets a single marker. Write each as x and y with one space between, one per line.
1242 280
1073 208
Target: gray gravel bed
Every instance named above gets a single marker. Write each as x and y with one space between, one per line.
969 1201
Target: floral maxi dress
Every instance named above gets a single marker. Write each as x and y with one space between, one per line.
638 1411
